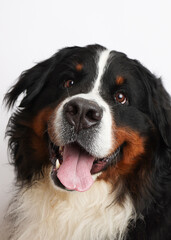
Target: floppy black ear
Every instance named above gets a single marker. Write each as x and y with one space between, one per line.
159 103
30 82
161 110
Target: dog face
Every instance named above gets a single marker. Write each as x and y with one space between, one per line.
94 113
88 124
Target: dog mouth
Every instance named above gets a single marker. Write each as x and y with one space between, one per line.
73 167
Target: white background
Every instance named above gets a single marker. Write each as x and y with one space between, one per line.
33 30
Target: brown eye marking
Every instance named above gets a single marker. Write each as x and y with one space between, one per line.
119 80
121 98
69 83
79 67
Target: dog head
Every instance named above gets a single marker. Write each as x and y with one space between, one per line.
93 114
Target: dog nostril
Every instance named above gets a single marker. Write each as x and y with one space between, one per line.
94 115
72 109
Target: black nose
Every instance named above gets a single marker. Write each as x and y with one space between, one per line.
82 113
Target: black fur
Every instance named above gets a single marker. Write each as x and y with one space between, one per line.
43 87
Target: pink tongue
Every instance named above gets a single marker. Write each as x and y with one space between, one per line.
74 172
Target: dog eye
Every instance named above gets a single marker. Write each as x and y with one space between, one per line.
120 98
69 83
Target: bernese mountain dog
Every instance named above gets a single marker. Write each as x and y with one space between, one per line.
91 146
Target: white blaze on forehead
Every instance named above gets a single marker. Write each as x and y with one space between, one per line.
104 139
101 66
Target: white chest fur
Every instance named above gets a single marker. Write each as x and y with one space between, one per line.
43 213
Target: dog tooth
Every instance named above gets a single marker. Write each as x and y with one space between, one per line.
57 164
61 149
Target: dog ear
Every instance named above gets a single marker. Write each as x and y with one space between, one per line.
159 103
160 106
32 80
